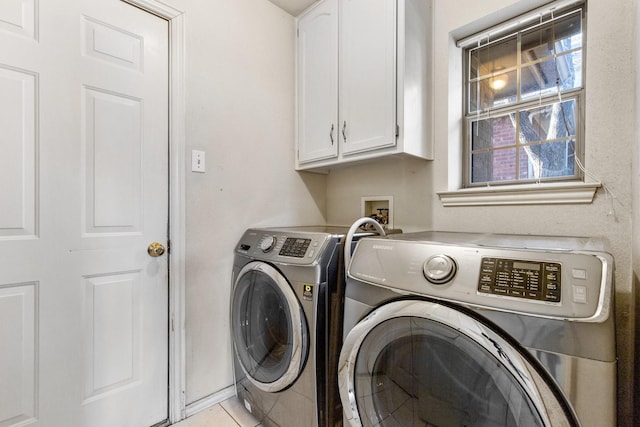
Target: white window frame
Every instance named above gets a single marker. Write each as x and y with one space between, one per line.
576 190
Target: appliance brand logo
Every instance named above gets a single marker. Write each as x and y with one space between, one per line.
383 247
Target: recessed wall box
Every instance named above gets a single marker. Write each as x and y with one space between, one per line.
379 208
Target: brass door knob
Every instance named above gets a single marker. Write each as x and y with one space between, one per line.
155 249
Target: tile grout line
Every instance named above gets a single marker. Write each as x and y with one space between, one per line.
230 415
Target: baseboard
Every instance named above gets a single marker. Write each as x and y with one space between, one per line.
209 401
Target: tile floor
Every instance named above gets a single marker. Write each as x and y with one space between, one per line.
230 413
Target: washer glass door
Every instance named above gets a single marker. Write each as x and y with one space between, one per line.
268 326
419 363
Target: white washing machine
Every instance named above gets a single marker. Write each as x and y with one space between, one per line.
286 324
456 329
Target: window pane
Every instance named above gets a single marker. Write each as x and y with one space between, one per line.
546 77
498 165
552 38
498 90
494 57
549 122
493 132
554 159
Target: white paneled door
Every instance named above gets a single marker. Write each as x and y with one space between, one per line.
83 193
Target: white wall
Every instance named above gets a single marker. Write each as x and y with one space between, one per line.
610 136
240 111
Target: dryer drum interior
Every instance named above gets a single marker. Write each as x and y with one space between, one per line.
268 327
418 363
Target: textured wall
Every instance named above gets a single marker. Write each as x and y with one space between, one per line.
240 67
610 118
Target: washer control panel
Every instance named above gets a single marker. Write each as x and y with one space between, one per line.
295 247
534 280
283 245
563 278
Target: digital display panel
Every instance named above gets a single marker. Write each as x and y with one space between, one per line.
526 265
295 247
533 280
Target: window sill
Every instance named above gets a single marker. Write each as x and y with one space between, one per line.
527 194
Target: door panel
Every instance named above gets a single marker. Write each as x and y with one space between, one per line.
112 337
19 17
17 144
18 367
112 44
84 162
113 147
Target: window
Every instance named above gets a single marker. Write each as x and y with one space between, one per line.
524 85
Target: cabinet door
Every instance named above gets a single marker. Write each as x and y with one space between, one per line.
318 83
367 74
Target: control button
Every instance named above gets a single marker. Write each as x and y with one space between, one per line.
439 269
579 273
268 243
579 294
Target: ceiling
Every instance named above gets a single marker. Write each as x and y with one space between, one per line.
294 7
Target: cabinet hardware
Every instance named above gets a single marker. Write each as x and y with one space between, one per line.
344 131
331 134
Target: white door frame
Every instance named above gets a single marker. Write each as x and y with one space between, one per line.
177 181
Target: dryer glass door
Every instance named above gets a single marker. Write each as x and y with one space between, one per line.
268 327
418 363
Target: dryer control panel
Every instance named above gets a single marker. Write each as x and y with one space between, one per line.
540 281
295 247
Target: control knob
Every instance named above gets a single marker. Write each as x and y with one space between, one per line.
439 269
268 243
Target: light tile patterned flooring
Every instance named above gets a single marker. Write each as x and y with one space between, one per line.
230 413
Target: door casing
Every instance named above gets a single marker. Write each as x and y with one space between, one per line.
177 181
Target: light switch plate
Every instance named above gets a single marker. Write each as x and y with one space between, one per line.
197 161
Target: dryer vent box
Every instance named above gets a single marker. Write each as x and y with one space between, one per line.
379 208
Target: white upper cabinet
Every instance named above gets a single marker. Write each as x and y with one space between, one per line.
367 96
318 84
364 81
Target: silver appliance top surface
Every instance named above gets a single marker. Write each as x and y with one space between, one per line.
327 229
555 277
514 241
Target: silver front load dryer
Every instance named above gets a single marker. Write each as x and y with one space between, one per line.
453 329
286 324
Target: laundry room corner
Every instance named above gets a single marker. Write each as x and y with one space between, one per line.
240 114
